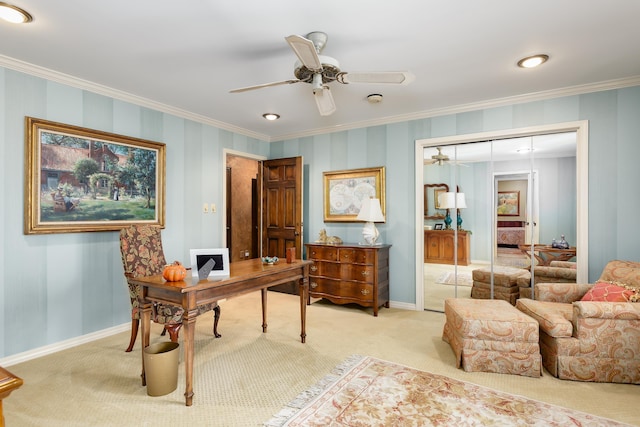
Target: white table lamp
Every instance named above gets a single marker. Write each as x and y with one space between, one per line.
370 212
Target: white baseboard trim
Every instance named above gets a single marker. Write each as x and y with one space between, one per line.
73 342
402 305
63 345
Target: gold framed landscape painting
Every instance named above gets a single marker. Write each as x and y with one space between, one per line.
79 179
345 190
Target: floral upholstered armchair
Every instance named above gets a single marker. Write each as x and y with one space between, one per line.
590 332
142 255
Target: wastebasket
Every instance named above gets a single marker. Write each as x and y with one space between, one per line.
161 368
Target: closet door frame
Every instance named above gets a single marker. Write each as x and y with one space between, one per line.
582 188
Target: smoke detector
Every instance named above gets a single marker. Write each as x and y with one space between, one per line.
374 98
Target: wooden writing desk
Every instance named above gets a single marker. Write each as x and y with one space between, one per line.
245 276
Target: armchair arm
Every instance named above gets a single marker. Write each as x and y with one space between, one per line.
560 292
564 264
607 329
606 310
545 274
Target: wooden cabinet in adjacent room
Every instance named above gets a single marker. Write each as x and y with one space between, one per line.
439 247
348 273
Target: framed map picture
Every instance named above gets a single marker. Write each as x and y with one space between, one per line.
344 191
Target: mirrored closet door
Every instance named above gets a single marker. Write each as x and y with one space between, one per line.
494 207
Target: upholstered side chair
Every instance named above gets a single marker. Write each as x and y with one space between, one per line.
142 256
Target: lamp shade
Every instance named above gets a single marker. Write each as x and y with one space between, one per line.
370 211
447 200
461 203
451 200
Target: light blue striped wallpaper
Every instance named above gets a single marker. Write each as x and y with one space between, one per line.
57 287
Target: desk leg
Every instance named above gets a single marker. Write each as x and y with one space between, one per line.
145 333
264 309
189 328
304 298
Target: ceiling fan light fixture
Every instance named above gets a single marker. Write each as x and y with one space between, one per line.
14 14
271 116
533 61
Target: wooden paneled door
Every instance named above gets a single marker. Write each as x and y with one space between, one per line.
282 209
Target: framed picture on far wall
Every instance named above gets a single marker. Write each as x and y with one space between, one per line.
508 203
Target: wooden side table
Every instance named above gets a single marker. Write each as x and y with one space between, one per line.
8 383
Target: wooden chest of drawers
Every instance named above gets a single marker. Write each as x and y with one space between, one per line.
350 274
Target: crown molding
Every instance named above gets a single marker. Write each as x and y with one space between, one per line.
69 80
474 106
55 76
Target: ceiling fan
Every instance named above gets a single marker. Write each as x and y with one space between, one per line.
440 159
320 70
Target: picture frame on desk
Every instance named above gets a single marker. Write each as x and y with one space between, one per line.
438 226
210 263
79 179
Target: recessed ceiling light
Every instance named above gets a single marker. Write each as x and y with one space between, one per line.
374 98
533 61
14 14
271 116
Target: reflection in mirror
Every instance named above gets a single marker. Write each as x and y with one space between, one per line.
519 193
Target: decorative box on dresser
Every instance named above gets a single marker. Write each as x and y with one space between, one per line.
439 247
350 273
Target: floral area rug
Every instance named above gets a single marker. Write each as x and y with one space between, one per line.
364 391
449 278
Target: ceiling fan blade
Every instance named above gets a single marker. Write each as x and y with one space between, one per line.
392 77
324 101
305 51
245 89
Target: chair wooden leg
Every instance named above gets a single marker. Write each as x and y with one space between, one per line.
134 333
216 318
173 330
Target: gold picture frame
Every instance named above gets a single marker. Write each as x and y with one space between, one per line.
344 191
78 179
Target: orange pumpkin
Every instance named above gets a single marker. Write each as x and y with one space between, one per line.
174 272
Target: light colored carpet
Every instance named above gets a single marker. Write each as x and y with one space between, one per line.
365 391
245 377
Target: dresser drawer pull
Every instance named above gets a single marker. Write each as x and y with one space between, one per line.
314 285
365 273
365 291
314 268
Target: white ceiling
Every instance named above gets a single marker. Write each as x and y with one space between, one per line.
184 57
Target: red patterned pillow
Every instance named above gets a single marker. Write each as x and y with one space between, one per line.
612 292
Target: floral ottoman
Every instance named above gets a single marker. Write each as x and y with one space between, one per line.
505 283
492 336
